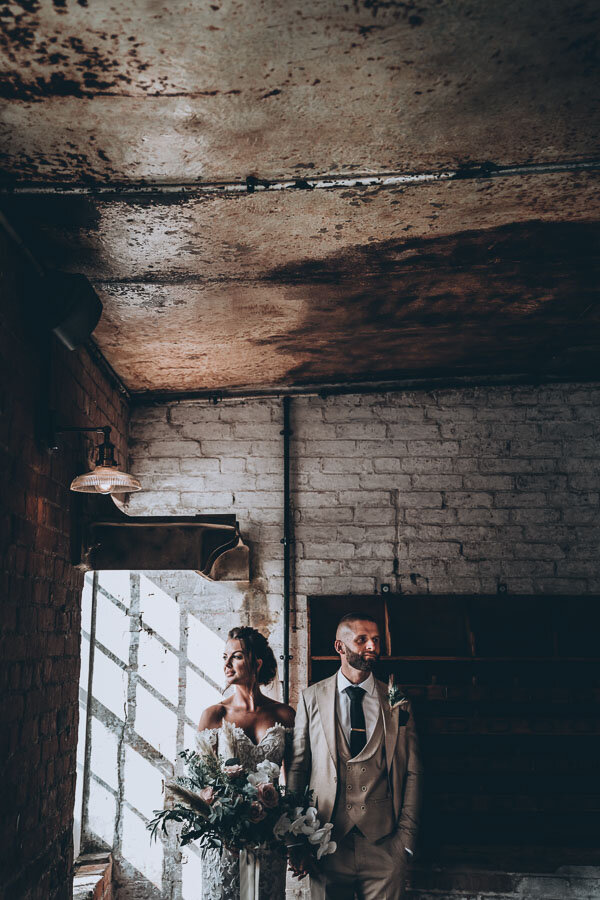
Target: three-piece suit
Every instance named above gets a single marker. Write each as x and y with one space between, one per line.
372 798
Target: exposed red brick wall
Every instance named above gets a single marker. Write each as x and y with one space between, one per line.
40 593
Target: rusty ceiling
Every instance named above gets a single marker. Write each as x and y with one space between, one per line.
268 193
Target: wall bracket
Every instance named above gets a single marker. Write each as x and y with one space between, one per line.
109 539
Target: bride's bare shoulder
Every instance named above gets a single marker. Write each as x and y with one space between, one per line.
212 717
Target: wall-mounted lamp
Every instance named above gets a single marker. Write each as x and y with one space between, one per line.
105 477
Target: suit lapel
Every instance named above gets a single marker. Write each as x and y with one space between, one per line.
390 724
326 703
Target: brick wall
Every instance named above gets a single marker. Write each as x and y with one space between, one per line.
40 625
449 491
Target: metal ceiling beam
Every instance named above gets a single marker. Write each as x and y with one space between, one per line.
253 184
152 398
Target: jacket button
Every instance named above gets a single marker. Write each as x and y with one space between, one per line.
363 768
334 778
363 807
349 787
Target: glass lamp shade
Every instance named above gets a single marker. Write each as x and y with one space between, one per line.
105 480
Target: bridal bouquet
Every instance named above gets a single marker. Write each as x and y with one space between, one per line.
221 804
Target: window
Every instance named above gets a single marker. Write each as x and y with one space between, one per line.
150 665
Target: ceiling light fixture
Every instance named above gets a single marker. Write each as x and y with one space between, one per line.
105 477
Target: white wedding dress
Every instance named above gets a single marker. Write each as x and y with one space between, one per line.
221 872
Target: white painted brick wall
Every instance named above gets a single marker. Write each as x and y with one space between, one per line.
467 489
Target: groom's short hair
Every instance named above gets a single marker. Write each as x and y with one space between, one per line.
357 617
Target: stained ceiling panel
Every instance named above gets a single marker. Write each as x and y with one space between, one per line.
520 297
181 91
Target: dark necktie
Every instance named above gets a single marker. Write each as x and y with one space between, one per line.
358 731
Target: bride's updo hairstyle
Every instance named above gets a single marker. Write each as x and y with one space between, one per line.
256 647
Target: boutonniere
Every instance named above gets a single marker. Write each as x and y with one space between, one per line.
397 699
395 694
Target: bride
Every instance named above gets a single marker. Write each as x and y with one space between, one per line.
252 727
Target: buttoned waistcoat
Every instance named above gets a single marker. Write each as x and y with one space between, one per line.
364 799
315 761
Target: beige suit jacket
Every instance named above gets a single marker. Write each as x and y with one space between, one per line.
314 760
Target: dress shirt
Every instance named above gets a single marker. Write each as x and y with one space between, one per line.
371 705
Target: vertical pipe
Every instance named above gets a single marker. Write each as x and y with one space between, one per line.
87 759
287 542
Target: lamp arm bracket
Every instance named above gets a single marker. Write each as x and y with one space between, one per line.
53 429
101 429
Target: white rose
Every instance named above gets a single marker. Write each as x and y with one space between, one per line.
254 779
270 770
266 771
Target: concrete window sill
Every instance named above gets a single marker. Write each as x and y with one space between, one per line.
93 877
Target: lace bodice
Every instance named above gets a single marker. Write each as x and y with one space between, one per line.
232 741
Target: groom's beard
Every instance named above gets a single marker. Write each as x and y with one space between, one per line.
360 662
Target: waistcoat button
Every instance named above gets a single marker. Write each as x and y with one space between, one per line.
348 806
363 788
349 787
363 768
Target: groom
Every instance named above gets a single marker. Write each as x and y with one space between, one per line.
360 757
